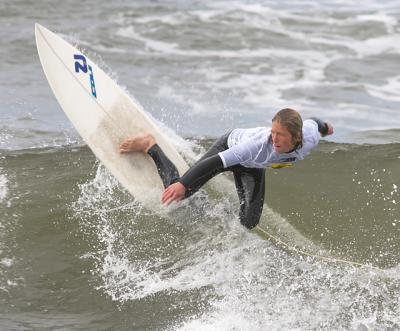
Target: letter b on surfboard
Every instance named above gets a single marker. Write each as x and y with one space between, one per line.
82 66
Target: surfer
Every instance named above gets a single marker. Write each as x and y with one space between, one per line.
245 152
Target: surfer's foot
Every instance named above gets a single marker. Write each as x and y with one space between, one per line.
141 143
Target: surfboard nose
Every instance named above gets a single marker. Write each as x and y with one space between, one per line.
41 30
37 27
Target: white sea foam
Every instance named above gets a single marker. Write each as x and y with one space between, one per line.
6 262
229 42
389 91
244 276
249 282
3 186
272 73
288 294
295 69
174 49
196 106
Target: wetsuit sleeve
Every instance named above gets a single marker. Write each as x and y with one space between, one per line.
322 126
201 172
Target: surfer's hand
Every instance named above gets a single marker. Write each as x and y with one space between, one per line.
173 193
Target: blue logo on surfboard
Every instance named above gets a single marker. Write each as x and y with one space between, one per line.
81 65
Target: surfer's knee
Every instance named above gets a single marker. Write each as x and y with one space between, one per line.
250 214
250 223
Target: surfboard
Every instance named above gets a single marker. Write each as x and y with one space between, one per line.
104 115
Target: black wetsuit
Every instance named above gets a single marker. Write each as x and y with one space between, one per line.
249 181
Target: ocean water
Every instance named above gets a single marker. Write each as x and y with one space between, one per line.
77 252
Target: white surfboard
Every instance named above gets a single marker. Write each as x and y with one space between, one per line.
104 115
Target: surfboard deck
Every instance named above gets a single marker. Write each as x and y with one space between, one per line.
104 115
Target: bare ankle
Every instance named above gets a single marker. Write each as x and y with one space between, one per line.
151 141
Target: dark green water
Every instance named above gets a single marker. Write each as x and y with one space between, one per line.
77 252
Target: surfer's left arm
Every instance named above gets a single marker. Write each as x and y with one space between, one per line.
193 179
313 130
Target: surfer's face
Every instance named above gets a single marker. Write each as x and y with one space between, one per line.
281 138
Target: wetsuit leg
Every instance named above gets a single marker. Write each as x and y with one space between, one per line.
169 173
249 181
166 169
251 189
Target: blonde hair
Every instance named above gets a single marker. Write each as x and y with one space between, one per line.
291 120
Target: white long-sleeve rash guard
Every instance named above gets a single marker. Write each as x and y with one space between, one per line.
253 148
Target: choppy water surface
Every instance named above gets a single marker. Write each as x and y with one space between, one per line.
78 252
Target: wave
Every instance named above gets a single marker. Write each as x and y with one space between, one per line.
342 201
3 186
335 200
199 252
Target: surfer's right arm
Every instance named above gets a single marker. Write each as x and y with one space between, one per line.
201 172
194 178
207 168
